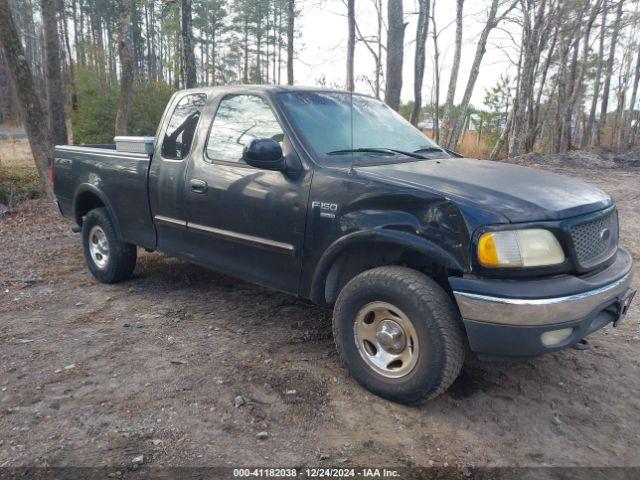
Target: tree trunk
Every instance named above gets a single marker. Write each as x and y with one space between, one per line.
147 21
533 125
189 77
351 43
280 25
376 54
587 135
453 78
214 59
290 38
616 141
395 53
568 91
274 59
22 79
258 36
622 114
631 113
579 87
556 125
504 137
379 50
72 67
245 28
55 92
29 37
565 125
609 70
422 32
125 51
532 32
492 22
266 47
436 73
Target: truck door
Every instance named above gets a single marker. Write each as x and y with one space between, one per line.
168 169
243 220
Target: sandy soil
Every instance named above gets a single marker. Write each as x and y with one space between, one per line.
95 375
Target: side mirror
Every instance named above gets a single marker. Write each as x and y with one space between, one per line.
264 153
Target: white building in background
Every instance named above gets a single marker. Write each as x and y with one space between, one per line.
429 124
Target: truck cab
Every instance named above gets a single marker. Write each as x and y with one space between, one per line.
333 197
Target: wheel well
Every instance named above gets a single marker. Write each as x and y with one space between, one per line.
86 202
362 257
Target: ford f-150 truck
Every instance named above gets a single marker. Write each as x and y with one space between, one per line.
333 197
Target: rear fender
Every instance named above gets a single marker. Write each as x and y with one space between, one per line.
82 192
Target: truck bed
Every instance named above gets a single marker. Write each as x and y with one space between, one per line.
117 178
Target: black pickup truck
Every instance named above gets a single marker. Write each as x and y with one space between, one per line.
333 197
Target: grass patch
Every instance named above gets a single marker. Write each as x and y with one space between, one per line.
19 179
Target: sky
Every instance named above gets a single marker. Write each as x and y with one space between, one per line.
322 45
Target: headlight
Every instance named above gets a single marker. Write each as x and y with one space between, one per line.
520 248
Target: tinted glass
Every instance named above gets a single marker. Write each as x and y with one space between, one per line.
182 126
332 121
240 119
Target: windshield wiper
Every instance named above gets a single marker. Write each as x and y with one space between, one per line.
429 149
377 150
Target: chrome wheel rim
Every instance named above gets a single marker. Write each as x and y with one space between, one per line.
99 247
386 339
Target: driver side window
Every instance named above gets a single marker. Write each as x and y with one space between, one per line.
240 119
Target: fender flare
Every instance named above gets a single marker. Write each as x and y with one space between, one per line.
89 188
393 237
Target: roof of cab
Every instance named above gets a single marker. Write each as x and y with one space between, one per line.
264 88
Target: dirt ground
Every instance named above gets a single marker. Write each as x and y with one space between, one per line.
95 375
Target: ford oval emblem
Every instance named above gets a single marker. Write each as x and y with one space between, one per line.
605 235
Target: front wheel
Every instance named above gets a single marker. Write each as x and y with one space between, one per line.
108 259
398 334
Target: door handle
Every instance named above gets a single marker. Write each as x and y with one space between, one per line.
198 186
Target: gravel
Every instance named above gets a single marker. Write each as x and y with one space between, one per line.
125 392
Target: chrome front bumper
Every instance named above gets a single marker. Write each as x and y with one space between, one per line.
521 307
516 319
543 311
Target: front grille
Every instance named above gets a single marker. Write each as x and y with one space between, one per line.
596 240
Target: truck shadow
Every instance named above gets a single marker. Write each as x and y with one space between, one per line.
294 325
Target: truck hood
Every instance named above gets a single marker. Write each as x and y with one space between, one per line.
521 194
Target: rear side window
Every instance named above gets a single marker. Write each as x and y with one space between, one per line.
182 126
240 119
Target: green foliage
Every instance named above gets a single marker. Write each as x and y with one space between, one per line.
497 100
149 102
18 184
406 109
94 120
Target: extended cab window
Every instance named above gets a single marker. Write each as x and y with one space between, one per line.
240 119
182 126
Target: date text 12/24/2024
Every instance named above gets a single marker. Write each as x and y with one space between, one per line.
315 473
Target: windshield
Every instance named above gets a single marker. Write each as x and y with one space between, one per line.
337 132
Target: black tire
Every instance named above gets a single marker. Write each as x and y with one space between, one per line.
435 320
121 259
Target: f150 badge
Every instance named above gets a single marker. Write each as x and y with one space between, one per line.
327 210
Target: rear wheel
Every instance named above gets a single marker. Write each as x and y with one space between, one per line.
398 334
108 259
